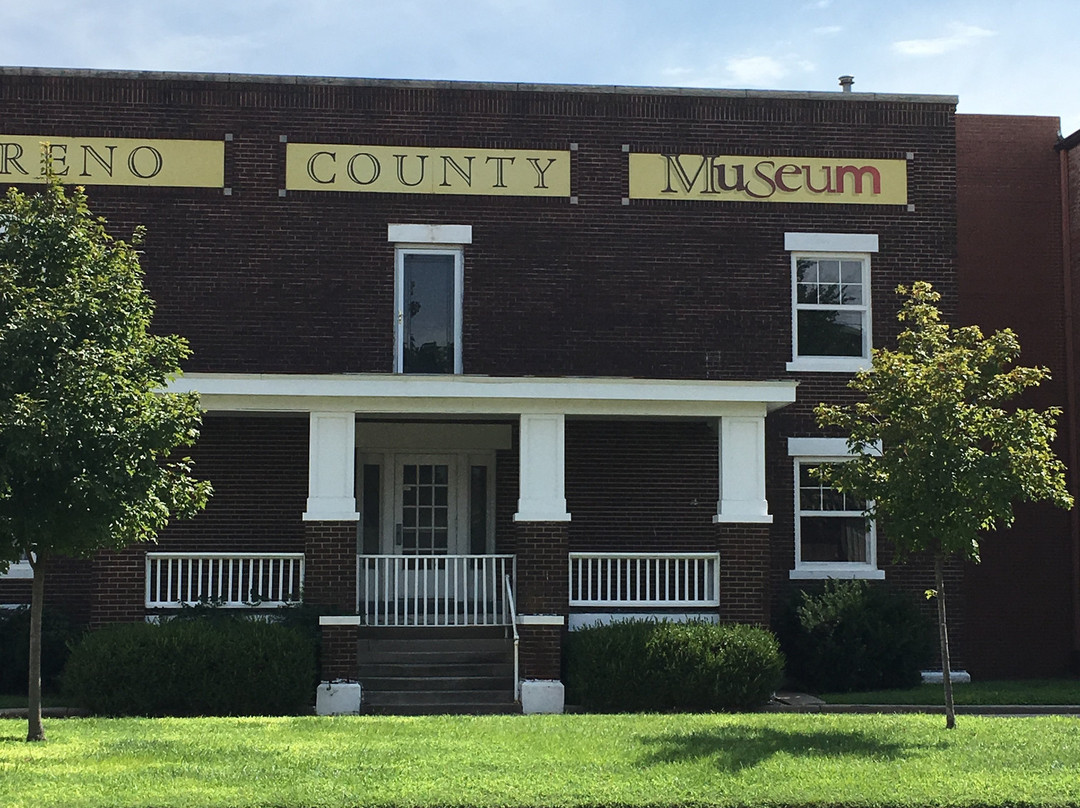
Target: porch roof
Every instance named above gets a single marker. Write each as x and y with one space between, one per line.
483 395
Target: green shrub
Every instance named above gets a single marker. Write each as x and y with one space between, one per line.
604 669
56 635
637 666
215 666
852 635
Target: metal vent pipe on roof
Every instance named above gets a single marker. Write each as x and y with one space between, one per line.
846 82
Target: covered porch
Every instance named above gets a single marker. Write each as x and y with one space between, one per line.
441 502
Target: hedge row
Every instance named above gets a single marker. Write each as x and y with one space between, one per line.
645 665
193 667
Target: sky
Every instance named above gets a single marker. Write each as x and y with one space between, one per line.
998 56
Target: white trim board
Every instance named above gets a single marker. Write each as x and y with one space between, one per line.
490 395
831 242
455 234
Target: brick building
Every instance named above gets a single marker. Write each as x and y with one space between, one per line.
1016 206
483 361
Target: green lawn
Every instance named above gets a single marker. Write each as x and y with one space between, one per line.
1028 691
571 760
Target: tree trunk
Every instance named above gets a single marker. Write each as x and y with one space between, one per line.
34 730
943 635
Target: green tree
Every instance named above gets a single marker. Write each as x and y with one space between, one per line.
87 438
953 457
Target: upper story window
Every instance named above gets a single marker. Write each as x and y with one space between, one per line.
833 537
830 292
428 281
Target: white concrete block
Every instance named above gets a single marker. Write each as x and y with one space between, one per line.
937 677
338 698
542 696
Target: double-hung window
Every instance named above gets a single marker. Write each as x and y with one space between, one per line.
833 537
830 300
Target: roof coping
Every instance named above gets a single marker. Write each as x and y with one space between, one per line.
609 89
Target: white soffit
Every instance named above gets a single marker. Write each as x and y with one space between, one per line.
486 395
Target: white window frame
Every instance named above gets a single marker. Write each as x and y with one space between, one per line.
843 247
440 239
815 452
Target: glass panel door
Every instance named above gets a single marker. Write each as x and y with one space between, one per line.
428 311
426 507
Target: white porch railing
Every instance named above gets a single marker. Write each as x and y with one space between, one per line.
231 580
657 580
445 590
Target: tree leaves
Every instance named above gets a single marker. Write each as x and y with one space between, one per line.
87 438
955 456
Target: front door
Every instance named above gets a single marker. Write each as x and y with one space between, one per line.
424 538
425 507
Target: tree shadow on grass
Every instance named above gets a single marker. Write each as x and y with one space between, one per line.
735 748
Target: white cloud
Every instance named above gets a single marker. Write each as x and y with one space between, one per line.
959 36
829 29
755 70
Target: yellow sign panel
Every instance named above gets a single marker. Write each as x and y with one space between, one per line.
421 170
115 161
726 178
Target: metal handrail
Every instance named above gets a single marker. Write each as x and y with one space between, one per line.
513 624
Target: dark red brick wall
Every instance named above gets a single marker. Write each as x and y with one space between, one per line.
542 582
744 573
119 586
656 289
1010 271
659 289
258 466
640 485
330 565
540 651
339 652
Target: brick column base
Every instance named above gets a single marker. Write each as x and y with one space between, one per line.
120 583
542 585
744 573
339 649
330 565
542 588
540 651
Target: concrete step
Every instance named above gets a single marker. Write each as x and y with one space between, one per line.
458 684
460 708
477 645
435 698
436 671
429 658
419 669
411 633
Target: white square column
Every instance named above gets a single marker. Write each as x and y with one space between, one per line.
332 468
742 470
542 492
